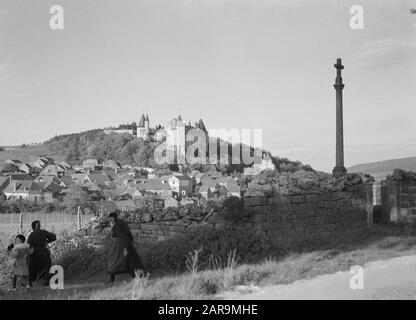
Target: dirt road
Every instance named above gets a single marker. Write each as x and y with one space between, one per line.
388 279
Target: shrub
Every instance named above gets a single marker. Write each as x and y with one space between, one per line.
214 244
78 259
233 210
399 175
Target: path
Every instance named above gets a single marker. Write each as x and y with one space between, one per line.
388 279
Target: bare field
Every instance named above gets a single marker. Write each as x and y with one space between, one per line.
28 153
56 222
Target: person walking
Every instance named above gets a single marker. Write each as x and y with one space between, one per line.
123 257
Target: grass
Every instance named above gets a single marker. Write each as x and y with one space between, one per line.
383 242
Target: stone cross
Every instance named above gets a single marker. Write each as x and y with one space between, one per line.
339 169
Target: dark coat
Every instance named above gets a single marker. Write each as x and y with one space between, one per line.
40 260
122 238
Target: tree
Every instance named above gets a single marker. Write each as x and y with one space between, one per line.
144 155
77 198
73 154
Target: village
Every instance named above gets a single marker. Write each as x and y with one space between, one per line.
108 185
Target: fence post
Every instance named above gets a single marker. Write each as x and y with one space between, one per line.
79 218
21 222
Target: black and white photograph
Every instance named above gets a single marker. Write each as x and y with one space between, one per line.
221 151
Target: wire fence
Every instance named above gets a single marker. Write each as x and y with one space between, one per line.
54 222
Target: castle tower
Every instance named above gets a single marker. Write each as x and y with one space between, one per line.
141 131
180 141
146 123
141 121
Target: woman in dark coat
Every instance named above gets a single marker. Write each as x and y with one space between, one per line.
123 257
40 261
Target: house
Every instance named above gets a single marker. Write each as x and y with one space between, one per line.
18 190
80 178
94 191
100 179
24 190
67 182
35 171
20 176
51 187
181 184
128 192
16 162
41 162
91 164
65 165
25 168
91 186
111 164
53 170
171 202
156 186
48 179
70 172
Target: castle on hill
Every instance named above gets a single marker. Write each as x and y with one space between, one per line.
175 131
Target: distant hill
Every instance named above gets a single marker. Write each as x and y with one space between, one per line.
123 148
381 169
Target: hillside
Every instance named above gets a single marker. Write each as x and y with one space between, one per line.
28 153
123 148
380 169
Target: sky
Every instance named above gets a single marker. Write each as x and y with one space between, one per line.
252 64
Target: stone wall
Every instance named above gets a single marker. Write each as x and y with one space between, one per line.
286 221
398 200
314 217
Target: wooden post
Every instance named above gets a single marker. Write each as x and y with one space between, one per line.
78 218
21 223
43 219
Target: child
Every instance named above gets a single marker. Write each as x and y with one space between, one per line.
20 251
